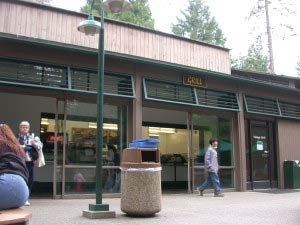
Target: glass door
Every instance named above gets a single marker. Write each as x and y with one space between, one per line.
51 128
260 155
203 128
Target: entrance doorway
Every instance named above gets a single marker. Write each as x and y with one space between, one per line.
203 128
260 154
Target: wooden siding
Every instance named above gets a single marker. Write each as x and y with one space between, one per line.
42 22
288 133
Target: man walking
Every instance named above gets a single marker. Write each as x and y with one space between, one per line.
212 167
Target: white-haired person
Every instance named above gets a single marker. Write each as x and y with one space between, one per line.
31 145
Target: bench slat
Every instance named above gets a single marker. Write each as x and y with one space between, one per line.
13 216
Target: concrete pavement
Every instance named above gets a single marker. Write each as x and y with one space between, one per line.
263 208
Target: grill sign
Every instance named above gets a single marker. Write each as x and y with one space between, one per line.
194 81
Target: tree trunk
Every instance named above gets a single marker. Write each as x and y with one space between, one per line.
269 34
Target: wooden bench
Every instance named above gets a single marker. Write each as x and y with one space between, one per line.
16 216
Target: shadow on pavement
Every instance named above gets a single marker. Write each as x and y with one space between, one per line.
277 191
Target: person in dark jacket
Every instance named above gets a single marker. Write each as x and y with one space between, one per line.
13 172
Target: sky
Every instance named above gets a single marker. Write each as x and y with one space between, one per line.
231 16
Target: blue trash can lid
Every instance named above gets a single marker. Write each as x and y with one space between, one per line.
151 140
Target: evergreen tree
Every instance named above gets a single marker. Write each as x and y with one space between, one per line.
198 24
255 59
267 8
140 14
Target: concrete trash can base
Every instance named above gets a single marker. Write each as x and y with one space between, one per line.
140 182
141 192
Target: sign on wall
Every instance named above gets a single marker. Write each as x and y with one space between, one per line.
195 81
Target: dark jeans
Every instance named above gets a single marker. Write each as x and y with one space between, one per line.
30 168
212 177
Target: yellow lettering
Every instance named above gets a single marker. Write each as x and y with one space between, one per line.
196 81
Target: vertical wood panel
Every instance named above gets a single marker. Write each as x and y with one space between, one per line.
171 49
23 22
113 37
48 28
64 36
155 47
2 12
197 57
43 30
12 23
211 58
18 21
69 30
27 22
181 52
73 37
168 50
138 43
6 18
107 39
59 29
118 46
36 23
147 50
32 23
123 39
127 40
147 46
134 43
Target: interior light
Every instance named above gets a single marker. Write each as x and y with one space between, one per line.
110 126
154 130
45 121
92 125
106 126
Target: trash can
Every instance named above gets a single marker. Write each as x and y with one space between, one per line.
140 181
292 174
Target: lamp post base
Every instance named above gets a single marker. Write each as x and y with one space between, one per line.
98 211
98 207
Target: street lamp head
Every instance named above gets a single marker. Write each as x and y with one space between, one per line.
116 6
89 26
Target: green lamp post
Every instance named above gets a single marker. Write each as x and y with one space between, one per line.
92 27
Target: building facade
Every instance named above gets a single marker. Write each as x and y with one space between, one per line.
157 85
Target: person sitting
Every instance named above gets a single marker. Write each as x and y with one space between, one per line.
13 172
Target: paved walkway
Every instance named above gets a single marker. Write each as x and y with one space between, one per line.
263 208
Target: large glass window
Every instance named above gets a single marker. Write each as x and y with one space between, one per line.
80 144
205 127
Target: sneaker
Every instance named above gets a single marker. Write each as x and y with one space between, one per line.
219 195
27 203
200 192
